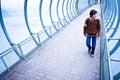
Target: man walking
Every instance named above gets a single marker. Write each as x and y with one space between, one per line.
92 30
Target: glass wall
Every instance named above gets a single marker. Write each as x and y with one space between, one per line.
83 4
33 15
4 44
112 28
54 10
45 12
14 20
27 24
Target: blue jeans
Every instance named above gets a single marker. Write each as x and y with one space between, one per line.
88 43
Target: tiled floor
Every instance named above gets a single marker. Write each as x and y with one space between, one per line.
65 57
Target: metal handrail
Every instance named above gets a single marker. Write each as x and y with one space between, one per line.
18 46
105 47
108 52
115 60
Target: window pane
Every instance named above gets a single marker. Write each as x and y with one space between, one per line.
92 2
60 8
45 13
65 10
116 54
14 19
82 4
115 67
33 15
73 7
69 7
4 45
54 8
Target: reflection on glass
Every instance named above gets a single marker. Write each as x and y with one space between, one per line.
33 15
82 4
65 10
60 9
69 9
4 45
73 7
115 68
53 10
45 12
14 19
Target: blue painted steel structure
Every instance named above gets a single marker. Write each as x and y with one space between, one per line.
110 57
34 40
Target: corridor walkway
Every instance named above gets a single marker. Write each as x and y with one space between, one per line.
64 57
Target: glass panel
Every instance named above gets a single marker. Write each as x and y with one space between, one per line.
76 8
2 66
116 54
92 2
60 9
43 36
60 12
4 44
113 43
65 10
14 19
54 14
45 13
54 8
69 7
82 4
115 68
11 58
109 33
117 34
73 7
28 46
33 15
107 24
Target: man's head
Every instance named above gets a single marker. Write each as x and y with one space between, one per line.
93 13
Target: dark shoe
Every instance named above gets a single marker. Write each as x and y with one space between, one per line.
92 55
89 49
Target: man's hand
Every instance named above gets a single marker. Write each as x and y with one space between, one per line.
98 35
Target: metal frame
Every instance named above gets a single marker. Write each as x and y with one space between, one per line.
58 13
64 20
74 9
40 14
110 14
4 28
117 25
17 48
113 14
67 10
6 33
63 11
27 23
115 47
50 11
105 60
71 9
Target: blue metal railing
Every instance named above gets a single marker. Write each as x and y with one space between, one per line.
105 62
110 13
19 52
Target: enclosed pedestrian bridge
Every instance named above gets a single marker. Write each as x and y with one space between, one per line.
43 40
